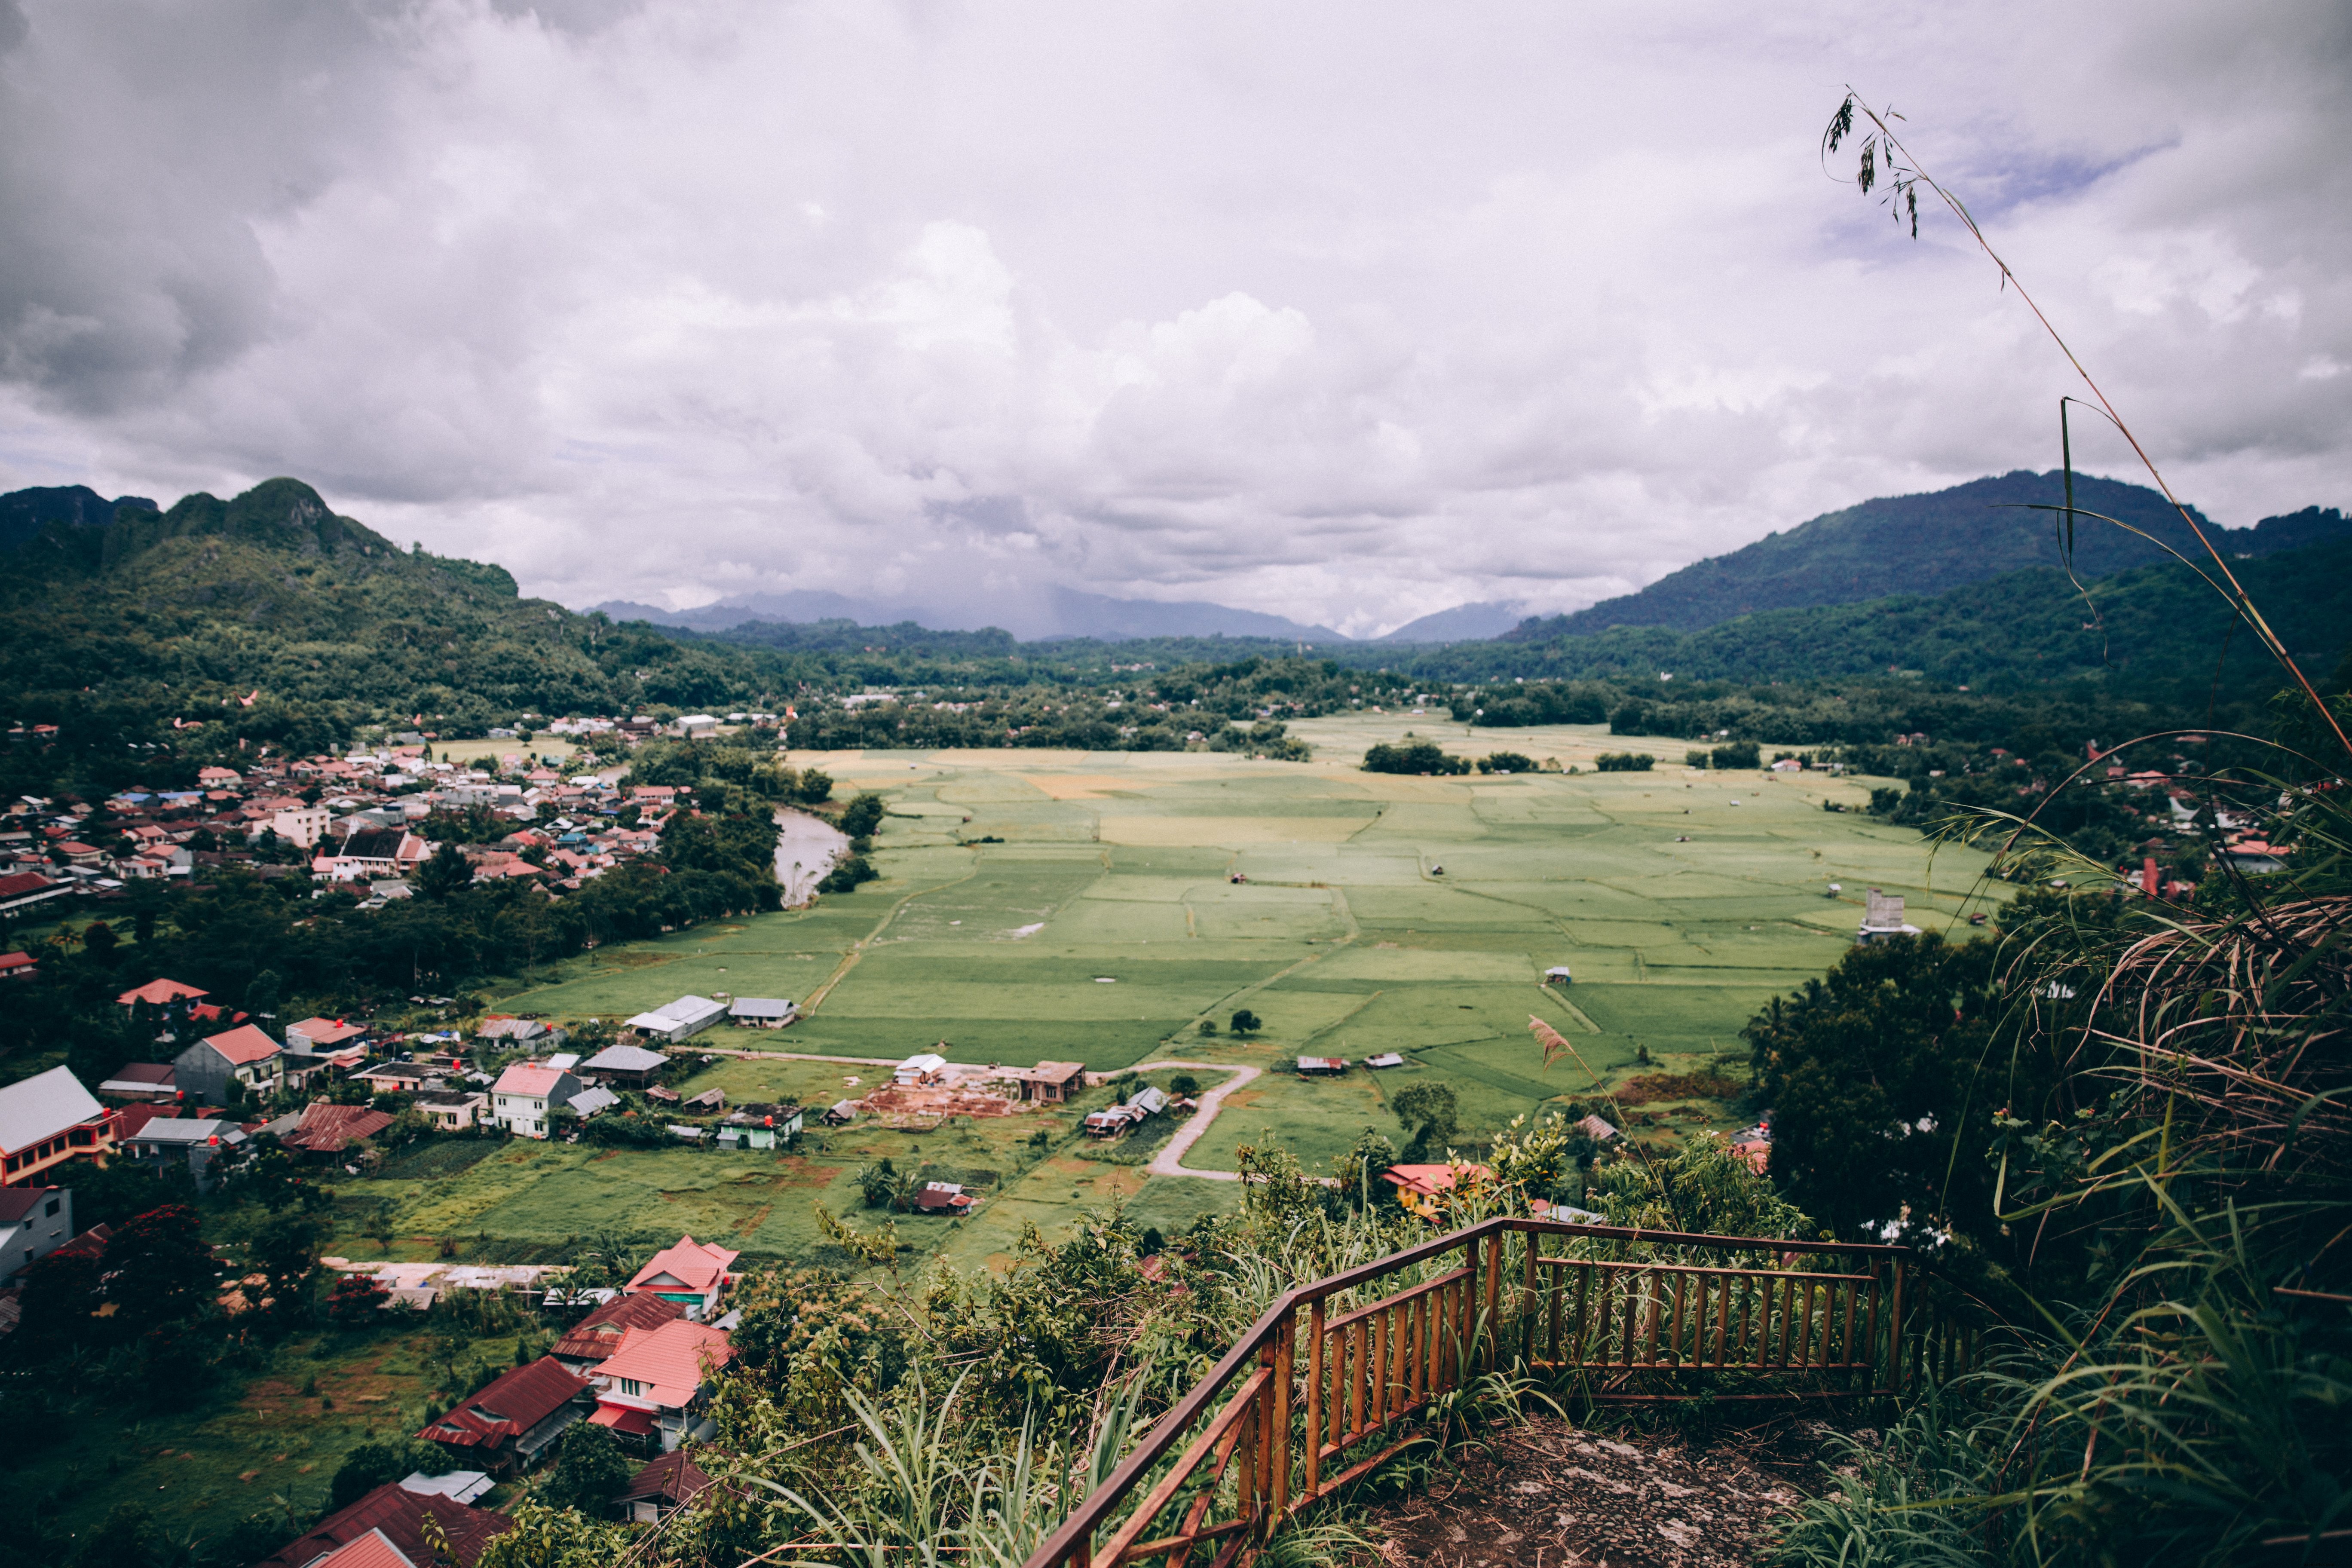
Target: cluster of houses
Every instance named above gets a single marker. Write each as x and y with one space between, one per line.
347 819
643 1364
183 1109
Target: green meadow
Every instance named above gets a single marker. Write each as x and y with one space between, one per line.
1104 923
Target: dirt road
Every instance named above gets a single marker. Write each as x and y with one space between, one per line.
1169 1161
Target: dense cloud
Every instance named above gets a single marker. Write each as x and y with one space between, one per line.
1345 313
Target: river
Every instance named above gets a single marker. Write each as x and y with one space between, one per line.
807 847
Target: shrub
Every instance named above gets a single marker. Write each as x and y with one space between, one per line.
1624 762
1506 762
848 874
1413 757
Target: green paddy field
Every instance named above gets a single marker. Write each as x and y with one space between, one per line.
1104 925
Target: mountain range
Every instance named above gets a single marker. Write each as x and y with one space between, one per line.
1033 613
1929 545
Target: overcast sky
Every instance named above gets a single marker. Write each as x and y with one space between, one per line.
1345 311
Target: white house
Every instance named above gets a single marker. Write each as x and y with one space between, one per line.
525 1094
677 1020
926 1067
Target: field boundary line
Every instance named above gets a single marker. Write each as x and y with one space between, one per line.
849 960
1277 976
1574 1011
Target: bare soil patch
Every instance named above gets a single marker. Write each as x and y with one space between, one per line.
894 1100
1552 1495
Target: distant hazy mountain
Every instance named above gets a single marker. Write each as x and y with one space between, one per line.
1032 614
1462 623
1927 545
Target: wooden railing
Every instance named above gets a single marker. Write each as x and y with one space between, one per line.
1615 1315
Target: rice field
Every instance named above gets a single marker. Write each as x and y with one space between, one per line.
1125 901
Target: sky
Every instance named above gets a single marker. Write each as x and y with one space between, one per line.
1347 312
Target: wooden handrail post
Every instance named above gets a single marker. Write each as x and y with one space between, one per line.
1528 1302
1278 1449
1494 1292
1895 1336
1318 1373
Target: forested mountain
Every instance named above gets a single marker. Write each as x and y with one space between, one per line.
1928 543
2156 633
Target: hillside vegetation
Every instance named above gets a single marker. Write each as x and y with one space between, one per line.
1943 540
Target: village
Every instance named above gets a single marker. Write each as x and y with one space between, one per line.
349 819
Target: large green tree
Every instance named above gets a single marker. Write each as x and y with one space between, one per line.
1881 1081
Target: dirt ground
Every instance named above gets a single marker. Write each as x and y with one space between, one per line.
1551 1495
893 1099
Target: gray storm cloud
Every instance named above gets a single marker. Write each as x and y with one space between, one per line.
1342 313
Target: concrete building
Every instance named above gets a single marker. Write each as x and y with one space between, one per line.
525 1095
45 1122
243 1056
34 1223
200 1143
678 1020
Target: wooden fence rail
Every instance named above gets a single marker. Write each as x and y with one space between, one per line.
1620 1315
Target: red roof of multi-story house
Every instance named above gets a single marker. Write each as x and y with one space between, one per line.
598 1335
162 992
528 1078
400 1515
666 1365
324 1032
243 1044
690 1264
374 1549
508 1406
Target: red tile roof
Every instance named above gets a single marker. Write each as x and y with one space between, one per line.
157 993
9 960
673 1478
131 1118
690 1264
598 1335
90 1243
671 1362
1430 1180
370 1550
243 1044
635 1423
325 1031
508 1406
524 1078
327 1128
400 1515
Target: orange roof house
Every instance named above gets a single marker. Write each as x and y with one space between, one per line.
691 1272
243 1057
1420 1186
594 1338
654 1384
161 994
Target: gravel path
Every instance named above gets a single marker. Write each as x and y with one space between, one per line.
1169 1161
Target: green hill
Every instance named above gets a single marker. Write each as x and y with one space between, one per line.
114 627
2156 634
1933 542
